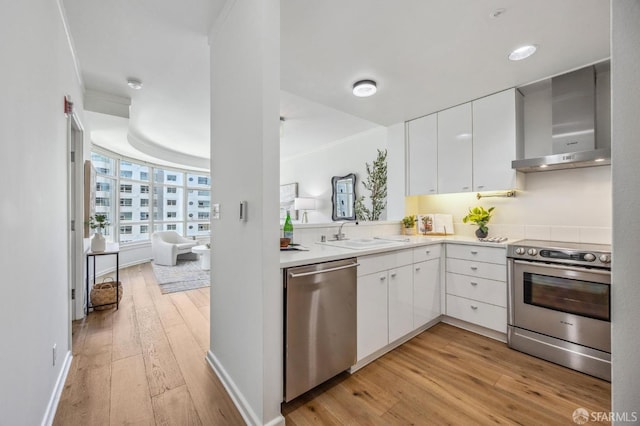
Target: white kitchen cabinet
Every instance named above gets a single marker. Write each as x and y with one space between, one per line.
455 151
495 139
400 302
385 294
373 323
426 292
476 285
422 152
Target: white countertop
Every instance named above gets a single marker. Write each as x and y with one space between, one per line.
320 252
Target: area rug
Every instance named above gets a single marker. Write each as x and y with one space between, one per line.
186 275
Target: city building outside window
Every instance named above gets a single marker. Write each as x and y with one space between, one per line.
175 196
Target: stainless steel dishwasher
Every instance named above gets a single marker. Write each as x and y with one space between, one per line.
319 323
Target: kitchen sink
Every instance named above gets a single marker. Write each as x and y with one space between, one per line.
364 243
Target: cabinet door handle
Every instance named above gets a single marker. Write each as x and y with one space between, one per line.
474 307
474 252
473 283
432 190
417 269
383 278
480 186
428 251
393 275
474 268
465 187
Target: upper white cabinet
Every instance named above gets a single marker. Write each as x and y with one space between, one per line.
495 138
471 144
422 137
455 151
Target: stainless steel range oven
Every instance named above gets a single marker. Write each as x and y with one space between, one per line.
559 304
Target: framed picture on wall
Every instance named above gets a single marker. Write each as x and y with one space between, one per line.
288 194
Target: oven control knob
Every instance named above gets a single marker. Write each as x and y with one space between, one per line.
520 250
589 257
532 252
605 258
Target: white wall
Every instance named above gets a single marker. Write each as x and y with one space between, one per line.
313 170
246 292
37 73
559 205
625 288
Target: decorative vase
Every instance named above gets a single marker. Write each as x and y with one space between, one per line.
409 231
98 243
481 234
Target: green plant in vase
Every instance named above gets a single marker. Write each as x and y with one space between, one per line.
479 216
409 224
98 223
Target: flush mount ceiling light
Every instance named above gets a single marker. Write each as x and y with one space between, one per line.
364 88
522 52
134 84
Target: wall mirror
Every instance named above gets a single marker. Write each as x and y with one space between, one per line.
343 197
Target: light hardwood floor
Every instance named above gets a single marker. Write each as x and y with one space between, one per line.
144 364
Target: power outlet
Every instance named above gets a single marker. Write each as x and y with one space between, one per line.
55 354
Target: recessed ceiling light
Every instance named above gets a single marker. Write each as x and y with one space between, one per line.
522 52
364 88
134 83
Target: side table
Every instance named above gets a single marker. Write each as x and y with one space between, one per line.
112 249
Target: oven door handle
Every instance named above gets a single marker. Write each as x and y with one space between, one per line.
563 267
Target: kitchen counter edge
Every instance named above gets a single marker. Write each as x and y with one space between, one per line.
319 253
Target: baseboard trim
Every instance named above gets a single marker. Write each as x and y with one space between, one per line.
246 411
474 328
52 407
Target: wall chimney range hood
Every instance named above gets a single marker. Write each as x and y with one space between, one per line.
573 143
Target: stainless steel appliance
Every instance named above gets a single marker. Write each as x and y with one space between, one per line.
559 303
320 324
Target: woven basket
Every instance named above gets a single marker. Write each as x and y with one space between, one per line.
104 293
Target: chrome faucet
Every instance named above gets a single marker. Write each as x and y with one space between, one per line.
340 236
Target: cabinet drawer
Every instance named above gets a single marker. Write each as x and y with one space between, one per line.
478 253
481 289
489 316
490 271
420 254
382 262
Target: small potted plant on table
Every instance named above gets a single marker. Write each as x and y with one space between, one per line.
98 223
409 225
480 217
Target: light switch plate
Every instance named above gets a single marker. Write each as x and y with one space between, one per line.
215 211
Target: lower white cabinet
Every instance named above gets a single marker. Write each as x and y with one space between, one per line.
476 285
400 302
398 292
373 324
426 292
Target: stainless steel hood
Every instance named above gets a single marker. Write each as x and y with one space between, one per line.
573 126
568 160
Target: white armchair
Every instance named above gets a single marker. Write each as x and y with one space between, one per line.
167 245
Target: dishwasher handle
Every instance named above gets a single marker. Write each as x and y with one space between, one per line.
337 268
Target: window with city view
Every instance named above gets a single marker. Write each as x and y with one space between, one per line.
180 200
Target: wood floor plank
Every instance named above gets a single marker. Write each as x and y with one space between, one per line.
212 403
195 321
126 339
175 407
130 398
85 399
167 311
198 297
161 367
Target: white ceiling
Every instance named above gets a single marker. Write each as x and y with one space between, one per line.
426 55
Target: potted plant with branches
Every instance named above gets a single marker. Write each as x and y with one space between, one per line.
98 223
376 182
480 216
